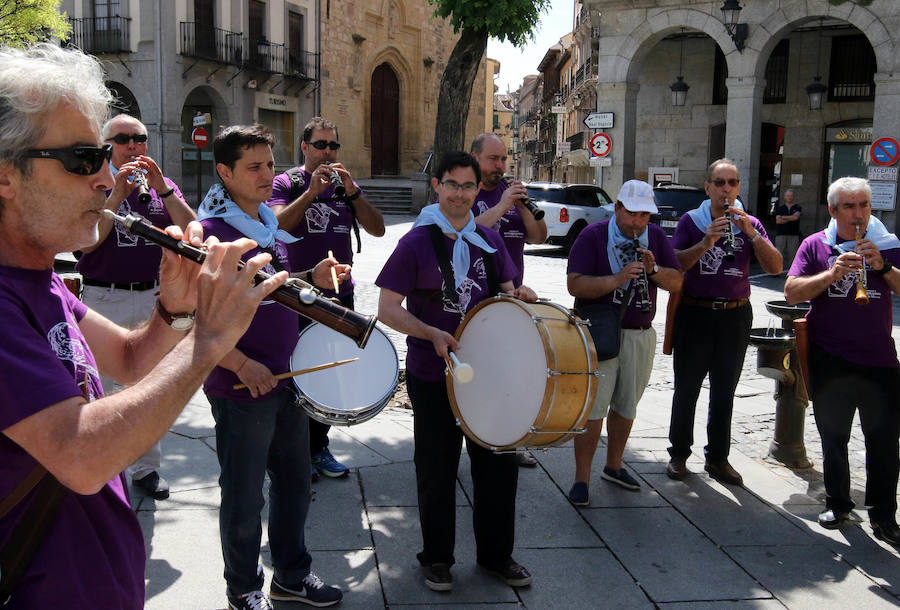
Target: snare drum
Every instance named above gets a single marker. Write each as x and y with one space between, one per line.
351 393
536 374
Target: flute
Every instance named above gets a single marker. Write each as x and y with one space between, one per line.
529 204
294 294
862 297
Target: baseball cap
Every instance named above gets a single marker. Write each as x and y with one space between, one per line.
637 196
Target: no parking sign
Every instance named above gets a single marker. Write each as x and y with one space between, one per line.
884 151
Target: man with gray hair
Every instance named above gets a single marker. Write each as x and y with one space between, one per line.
852 358
121 270
787 231
69 536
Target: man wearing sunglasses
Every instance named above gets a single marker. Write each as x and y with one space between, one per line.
307 205
53 412
712 324
121 270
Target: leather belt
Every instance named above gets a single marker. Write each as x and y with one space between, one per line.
720 304
132 286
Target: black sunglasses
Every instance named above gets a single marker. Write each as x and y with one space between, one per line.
81 160
720 182
322 145
122 138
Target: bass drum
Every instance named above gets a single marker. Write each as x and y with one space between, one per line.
351 393
536 374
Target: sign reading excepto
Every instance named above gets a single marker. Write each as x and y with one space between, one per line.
600 162
884 151
599 120
883 195
601 144
199 137
878 172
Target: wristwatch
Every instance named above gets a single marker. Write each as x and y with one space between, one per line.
888 265
178 321
655 270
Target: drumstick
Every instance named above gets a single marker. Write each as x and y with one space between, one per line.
462 371
319 367
333 272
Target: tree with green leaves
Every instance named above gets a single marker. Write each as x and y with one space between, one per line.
475 21
23 22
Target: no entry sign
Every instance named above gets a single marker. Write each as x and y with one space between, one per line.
884 151
199 137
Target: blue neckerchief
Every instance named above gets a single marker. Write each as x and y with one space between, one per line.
432 215
702 216
876 231
620 249
219 204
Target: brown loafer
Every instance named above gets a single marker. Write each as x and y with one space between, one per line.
724 473
677 469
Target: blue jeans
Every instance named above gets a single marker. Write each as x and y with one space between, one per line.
267 436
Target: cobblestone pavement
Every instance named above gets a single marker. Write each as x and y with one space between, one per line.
545 271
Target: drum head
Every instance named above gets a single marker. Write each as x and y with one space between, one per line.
352 388
506 351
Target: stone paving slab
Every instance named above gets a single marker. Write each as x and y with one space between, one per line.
337 516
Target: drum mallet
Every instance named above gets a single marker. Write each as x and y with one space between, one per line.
461 371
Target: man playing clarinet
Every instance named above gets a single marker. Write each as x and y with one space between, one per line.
852 359
714 244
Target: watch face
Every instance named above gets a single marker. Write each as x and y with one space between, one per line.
183 323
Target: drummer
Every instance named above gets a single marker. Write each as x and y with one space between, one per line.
420 270
260 429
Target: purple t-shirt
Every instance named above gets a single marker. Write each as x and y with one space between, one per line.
326 226
510 226
413 271
93 556
272 334
712 277
588 257
122 257
860 334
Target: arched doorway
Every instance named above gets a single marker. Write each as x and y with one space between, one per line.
385 121
125 101
198 171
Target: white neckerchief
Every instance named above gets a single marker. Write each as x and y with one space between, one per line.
702 216
219 204
618 247
876 232
432 215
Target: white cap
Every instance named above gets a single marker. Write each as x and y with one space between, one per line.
637 196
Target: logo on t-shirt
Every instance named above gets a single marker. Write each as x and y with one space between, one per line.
483 207
318 216
841 288
711 261
464 291
124 239
69 349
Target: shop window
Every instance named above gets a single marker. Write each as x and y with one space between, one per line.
851 76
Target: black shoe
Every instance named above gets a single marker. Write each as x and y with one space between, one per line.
255 600
677 469
438 577
513 574
887 531
724 473
311 591
621 478
832 519
152 485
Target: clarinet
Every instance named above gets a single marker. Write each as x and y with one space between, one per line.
529 204
138 178
338 184
643 283
294 294
729 239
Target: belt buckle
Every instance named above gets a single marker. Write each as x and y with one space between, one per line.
721 305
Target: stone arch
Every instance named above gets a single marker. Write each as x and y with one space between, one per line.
125 101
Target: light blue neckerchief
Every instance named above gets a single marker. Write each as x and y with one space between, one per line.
432 215
702 216
876 231
219 204
616 245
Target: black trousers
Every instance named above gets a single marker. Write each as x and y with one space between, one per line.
438 444
318 432
839 388
713 342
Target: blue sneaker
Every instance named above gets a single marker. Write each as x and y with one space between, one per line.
325 463
578 495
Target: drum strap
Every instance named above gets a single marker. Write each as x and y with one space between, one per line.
443 256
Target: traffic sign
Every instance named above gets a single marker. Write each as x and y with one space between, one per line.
599 120
601 144
884 151
199 137
202 119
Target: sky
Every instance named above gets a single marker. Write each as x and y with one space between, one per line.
515 63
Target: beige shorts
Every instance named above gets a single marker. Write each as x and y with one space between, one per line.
623 378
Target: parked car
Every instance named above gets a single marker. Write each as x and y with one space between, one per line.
569 208
673 202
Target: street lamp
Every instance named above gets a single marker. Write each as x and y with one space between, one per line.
816 90
731 12
680 88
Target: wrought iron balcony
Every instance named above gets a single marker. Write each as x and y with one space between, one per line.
101 34
577 140
208 42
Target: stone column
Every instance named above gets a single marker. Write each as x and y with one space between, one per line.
620 98
886 123
742 132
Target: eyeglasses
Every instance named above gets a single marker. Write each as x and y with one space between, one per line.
322 145
81 160
122 138
720 182
468 187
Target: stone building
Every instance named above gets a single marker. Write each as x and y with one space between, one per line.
749 93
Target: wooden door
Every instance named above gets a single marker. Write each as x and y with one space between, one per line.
385 122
